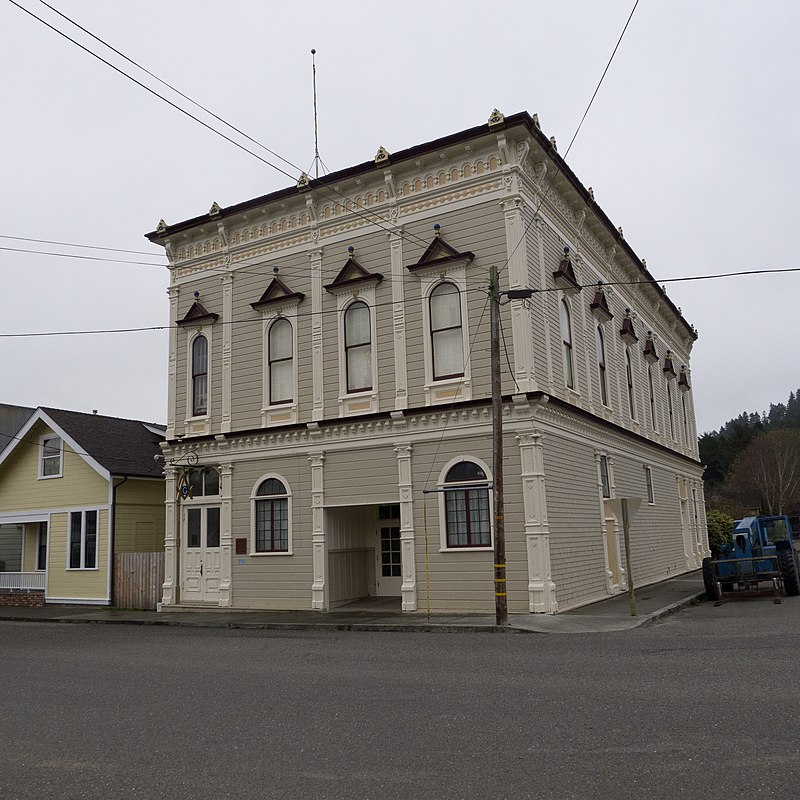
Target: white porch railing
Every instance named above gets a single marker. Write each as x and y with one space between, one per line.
22 580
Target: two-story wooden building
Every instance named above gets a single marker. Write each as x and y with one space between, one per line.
329 392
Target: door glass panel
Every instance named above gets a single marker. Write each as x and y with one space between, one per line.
212 527
193 527
390 552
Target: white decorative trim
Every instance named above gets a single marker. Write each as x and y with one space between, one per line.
399 319
408 589
169 588
319 548
227 353
541 587
226 533
173 293
317 364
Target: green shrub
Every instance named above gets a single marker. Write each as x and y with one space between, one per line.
720 530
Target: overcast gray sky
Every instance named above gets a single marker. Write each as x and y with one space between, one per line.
691 146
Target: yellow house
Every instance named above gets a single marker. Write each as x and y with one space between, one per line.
76 489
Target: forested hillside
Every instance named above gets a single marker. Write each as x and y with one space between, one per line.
753 462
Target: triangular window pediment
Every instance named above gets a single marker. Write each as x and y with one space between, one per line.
599 307
352 274
275 294
198 314
439 253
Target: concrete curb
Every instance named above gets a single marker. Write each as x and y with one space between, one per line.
678 605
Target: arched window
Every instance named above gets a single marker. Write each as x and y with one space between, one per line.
358 347
566 345
447 343
629 378
281 362
199 376
652 398
271 517
467 506
601 365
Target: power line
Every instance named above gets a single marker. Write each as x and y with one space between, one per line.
375 215
779 270
572 141
82 246
83 258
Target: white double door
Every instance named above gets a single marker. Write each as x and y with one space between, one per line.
202 555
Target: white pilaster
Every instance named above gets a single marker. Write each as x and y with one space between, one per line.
226 533
319 588
517 253
318 397
399 319
407 548
169 589
227 350
541 587
173 292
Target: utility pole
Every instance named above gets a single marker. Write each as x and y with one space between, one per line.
500 595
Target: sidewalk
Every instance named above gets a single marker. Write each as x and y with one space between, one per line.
652 603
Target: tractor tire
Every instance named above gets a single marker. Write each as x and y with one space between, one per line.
708 579
788 567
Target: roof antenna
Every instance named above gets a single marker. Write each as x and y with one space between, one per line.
316 132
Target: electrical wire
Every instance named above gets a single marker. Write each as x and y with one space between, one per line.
83 258
572 141
780 270
83 246
375 215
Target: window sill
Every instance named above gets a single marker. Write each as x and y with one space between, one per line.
79 569
50 477
279 414
448 390
355 403
198 426
482 549
276 553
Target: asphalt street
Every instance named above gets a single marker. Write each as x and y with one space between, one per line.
702 705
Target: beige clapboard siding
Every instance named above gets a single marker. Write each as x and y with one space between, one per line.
29 558
463 580
83 584
21 489
368 475
280 581
575 516
655 534
139 516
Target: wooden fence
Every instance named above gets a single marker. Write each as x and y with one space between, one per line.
138 578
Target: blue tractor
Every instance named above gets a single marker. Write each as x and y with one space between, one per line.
761 551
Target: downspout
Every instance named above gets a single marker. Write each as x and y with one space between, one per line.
113 512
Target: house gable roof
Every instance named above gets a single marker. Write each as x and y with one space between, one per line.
111 446
12 418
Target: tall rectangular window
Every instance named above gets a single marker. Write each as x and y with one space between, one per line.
604 481
358 347
601 365
281 362
199 376
648 478
447 342
83 540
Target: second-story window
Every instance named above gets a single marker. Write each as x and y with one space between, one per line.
358 347
601 366
199 376
685 419
447 343
670 410
652 398
281 362
605 483
629 378
566 345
